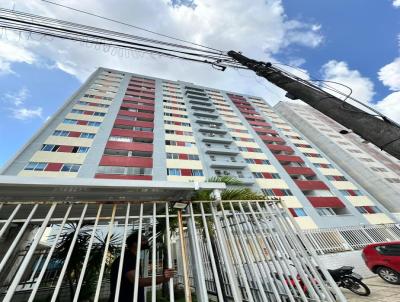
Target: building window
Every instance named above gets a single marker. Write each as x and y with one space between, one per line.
60 133
120 139
393 180
175 172
193 157
80 149
240 174
197 172
86 135
286 192
70 168
69 121
258 175
50 148
172 155
35 166
268 192
325 211
99 114
94 124
299 212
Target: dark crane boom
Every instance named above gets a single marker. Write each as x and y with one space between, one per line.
380 131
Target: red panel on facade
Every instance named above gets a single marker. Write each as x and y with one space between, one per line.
135 99
131 133
280 148
326 202
183 156
186 172
299 171
134 123
87 112
267 138
120 176
181 144
307 185
267 175
82 122
65 149
289 158
128 105
125 161
129 146
74 134
256 123
136 114
292 212
53 167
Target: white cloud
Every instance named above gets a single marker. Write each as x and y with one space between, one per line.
390 106
396 3
258 28
12 53
390 74
339 71
14 102
17 98
25 113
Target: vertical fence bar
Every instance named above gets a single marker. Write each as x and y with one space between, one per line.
86 260
258 248
169 256
48 258
139 245
255 274
230 270
68 257
281 270
188 294
5 226
236 255
122 254
212 256
154 256
287 249
28 256
12 247
103 262
197 265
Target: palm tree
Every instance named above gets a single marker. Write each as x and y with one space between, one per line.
74 268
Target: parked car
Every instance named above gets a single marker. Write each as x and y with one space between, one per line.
384 259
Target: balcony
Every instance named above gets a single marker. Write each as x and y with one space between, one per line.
221 151
217 139
289 158
309 185
227 164
213 129
299 171
203 120
326 202
205 114
203 108
200 102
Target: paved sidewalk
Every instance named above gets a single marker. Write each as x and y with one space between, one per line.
381 291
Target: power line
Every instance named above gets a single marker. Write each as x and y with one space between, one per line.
130 25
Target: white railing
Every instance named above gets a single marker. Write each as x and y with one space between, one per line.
335 240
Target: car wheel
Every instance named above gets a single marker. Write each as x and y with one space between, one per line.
389 275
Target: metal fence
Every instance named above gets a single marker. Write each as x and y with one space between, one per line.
336 240
231 250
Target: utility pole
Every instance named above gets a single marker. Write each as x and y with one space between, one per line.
381 132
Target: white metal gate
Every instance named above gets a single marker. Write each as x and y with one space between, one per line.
230 250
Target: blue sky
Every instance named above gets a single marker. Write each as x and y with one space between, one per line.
331 39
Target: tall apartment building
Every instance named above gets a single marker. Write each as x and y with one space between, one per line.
375 170
127 126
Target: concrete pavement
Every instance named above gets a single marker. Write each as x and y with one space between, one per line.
381 291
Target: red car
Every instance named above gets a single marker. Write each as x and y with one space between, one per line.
384 259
